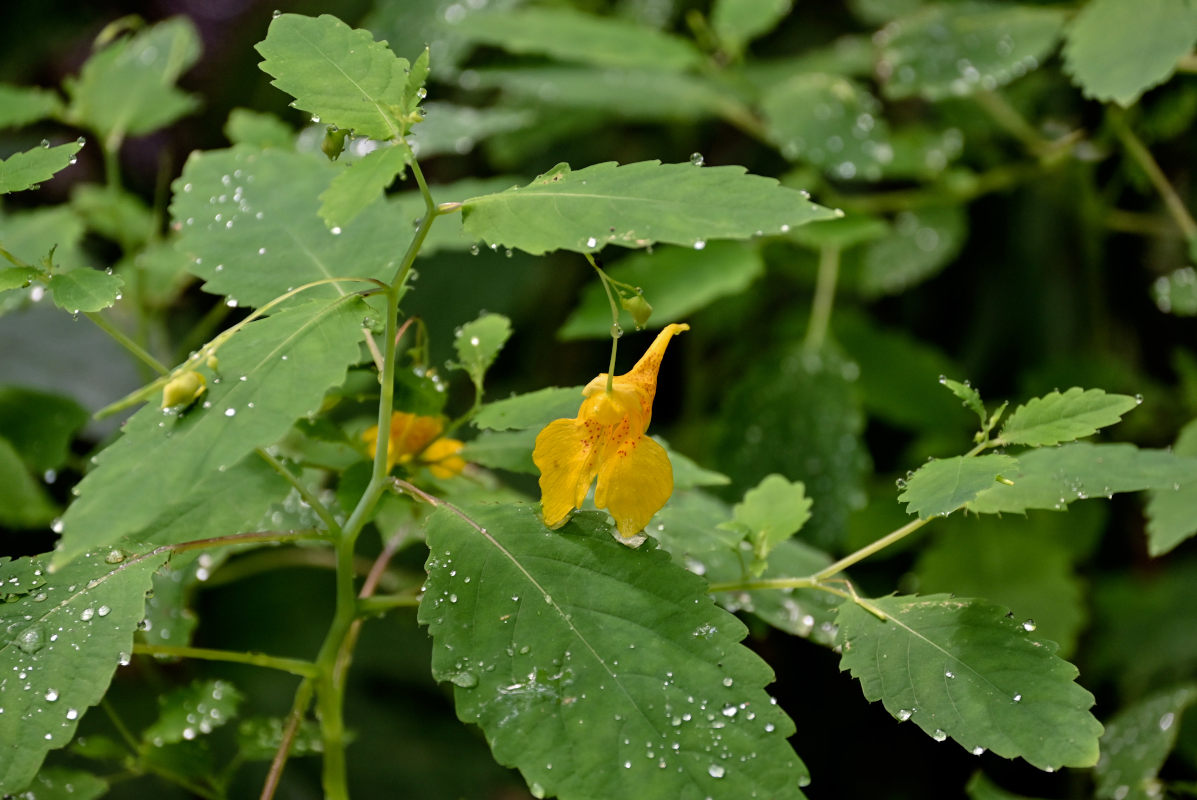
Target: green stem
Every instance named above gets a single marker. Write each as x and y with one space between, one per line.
824 299
1142 156
305 493
1012 121
868 550
616 332
305 669
299 706
124 341
386 602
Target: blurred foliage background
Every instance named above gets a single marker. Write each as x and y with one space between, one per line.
997 227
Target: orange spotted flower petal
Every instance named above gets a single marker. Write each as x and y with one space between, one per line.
607 441
443 458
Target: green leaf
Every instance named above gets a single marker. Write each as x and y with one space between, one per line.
449 128
957 49
63 643
969 397
361 183
980 787
17 277
478 344
40 425
339 74
677 281
24 502
84 289
127 89
288 362
1170 517
115 214
27 169
509 450
59 783
1056 418
636 205
249 222
531 410
830 122
962 668
32 235
737 22
1116 51
840 233
570 35
1176 292
259 738
191 711
258 129
922 242
772 512
1053 477
589 664
446 233
688 474
941 486
22 105
1136 743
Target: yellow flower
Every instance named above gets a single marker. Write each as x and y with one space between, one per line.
607 441
418 438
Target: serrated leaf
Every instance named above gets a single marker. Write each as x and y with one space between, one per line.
941 486
570 35
531 410
289 360
969 396
677 281
191 711
1052 477
449 128
24 502
84 289
22 105
1170 517
62 644
1056 418
40 425
1136 743
339 74
259 738
921 243
636 205
830 122
17 277
956 49
737 22
771 512
361 183
258 129
961 668
588 664
127 89
59 783
446 233
249 222
29 168
1176 292
1116 51
478 343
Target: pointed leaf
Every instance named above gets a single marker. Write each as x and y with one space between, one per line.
969 396
1170 517
288 361
677 281
128 88
772 512
339 74
1056 418
1116 50
636 205
940 487
22 105
249 222
27 169
956 49
478 343
65 638
531 410
737 22
1053 477
570 35
361 183
1137 741
588 664
1176 292
962 668
84 289
191 711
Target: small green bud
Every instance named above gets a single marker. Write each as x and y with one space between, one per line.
213 363
638 307
183 389
334 142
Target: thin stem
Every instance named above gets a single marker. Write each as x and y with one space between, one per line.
824 299
120 726
304 669
303 698
1012 121
305 493
124 341
615 329
382 603
1142 156
868 550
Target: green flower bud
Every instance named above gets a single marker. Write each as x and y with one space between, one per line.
183 389
638 307
334 142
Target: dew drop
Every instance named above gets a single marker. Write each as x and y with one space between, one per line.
715 771
697 160
1029 625
939 735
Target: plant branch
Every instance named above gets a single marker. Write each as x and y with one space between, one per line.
615 330
305 493
868 550
1142 156
305 669
124 341
824 299
303 698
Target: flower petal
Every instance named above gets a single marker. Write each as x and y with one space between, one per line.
634 482
442 458
564 454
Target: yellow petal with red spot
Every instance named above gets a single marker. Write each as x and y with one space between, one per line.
634 484
564 455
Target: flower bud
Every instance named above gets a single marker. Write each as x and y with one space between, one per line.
638 307
334 142
183 389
